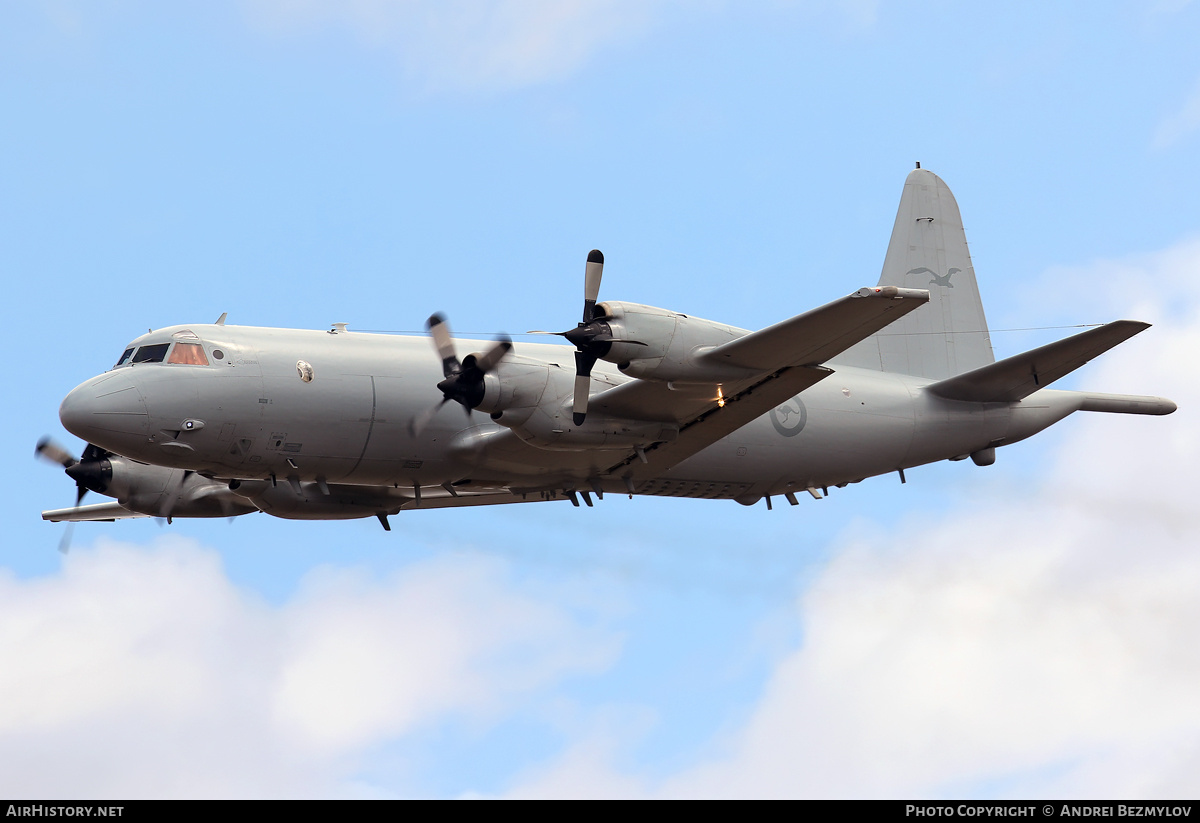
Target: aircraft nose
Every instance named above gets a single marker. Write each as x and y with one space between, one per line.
105 410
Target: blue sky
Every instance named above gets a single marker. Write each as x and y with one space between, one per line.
1022 630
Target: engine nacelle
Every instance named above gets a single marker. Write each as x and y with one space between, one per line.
673 344
539 412
517 389
161 491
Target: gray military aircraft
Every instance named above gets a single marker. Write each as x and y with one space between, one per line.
219 420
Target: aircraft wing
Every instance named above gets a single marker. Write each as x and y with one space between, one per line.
816 336
95 512
781 361
716 421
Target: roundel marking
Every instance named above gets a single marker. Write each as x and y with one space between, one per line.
789 417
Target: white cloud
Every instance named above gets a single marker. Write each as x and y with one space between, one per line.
1039 641
140 673
473 44
504 44
1181 123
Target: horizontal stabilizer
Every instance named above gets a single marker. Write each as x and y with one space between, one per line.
106 512
1017 377
811 338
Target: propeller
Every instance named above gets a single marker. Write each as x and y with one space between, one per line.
591 337
462 381
91 471
172 496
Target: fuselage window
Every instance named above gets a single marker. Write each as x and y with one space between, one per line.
191 354
124 357
151 354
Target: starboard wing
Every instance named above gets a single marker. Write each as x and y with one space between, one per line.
780 362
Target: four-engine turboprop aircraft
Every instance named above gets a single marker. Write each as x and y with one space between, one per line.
219 420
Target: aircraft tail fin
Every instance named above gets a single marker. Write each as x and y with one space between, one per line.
1015 378
928 250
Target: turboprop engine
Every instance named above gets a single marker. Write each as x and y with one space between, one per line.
141 488
657 344
644 341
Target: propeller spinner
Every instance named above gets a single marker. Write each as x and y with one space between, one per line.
462 381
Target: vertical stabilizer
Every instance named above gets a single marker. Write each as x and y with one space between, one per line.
928 250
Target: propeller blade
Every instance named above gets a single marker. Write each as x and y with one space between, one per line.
591 283
64 545
440 332
93 452
494 355
606 337
462 381
583 383
418 424
168 505
47 449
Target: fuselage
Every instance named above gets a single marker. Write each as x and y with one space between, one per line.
247 403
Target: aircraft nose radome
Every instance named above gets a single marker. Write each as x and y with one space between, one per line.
103 408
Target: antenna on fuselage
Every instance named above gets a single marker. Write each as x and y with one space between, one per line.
221 319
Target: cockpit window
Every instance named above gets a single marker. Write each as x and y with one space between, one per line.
124 357
191 354
151 354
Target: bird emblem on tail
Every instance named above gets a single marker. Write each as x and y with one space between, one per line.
938 279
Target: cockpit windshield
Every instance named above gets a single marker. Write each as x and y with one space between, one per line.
191 354
181 352
151 354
